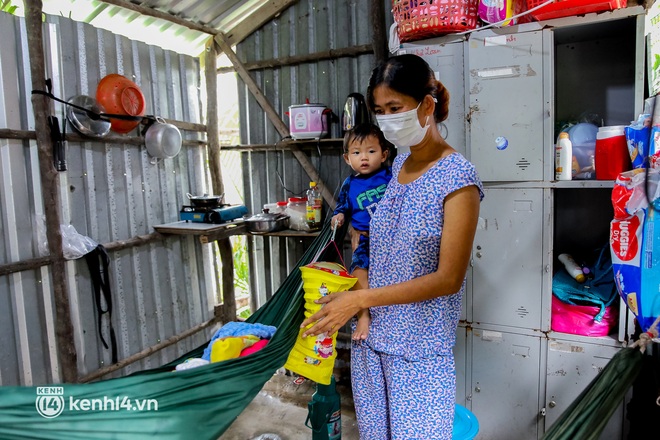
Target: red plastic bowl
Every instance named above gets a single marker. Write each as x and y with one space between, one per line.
119 95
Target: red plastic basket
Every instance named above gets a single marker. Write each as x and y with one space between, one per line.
567 8
420 19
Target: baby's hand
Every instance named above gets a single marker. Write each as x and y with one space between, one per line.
337 220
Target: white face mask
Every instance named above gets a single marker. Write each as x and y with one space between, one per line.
403 129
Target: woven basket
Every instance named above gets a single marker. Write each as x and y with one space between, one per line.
420 19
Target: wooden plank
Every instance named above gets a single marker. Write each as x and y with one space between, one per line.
379 33
257 19
50 187
330 54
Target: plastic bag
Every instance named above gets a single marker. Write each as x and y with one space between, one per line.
74 245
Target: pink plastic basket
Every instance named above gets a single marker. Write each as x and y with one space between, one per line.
420 19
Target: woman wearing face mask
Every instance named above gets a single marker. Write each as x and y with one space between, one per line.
403 374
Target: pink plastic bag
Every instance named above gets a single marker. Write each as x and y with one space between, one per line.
579 320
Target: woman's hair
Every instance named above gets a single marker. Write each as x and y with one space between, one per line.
363 131
410 75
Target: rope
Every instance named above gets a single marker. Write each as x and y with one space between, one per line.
647 337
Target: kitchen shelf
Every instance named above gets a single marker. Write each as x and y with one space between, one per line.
206 232
286 233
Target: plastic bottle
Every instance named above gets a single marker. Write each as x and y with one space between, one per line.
572 267
314 205
563 158
324 416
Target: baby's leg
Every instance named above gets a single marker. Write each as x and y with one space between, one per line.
364 318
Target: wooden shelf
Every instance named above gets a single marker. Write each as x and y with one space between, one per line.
325 143
286 233
206 232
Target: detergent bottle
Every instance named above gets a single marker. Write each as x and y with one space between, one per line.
324 415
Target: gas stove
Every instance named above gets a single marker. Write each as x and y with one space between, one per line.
216 215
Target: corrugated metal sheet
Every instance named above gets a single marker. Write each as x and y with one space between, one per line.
110 192
309 26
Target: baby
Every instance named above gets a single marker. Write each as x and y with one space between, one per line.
365 150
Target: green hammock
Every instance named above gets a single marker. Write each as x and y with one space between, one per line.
197 404
590 412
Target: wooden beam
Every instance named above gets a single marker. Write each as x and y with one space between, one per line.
256 20
19 266
378 32
274 118
224 244
298 59
147 351
50 187
129 140
143 10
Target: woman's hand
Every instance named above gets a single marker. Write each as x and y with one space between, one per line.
337 309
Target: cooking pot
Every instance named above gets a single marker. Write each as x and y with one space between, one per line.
205 201
266 222
163 140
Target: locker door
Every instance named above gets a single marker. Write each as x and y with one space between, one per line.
460 360
508 259
446 60
506 112
505 385
571 367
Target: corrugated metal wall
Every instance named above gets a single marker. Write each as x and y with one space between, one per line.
110 192
307 27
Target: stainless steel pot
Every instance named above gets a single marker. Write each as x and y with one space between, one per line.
266 222
162 140
205 201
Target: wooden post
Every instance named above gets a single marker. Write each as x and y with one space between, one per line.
274 118
68 358
379 35
213 143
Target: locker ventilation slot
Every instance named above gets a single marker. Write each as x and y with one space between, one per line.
523 163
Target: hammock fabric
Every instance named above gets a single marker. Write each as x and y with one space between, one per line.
200 403
590 412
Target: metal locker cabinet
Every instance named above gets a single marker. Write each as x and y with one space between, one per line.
571 366
460 359
445 56
508 258
506 108
505 384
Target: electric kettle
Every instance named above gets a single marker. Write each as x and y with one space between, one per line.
355 112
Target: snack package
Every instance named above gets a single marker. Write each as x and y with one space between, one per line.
314 357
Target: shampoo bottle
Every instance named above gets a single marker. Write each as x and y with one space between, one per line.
563 158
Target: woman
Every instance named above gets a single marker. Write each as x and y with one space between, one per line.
404 379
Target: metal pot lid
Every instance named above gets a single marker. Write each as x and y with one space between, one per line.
81 120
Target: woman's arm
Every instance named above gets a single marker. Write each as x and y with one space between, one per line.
460 223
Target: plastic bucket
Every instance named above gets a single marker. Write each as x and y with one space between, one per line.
466 425
308 121
612 156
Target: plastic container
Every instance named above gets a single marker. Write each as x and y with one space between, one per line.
419 20
612 156
308 121
572 267
567 8
296 209
563 158
314 207
324 416
583 140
